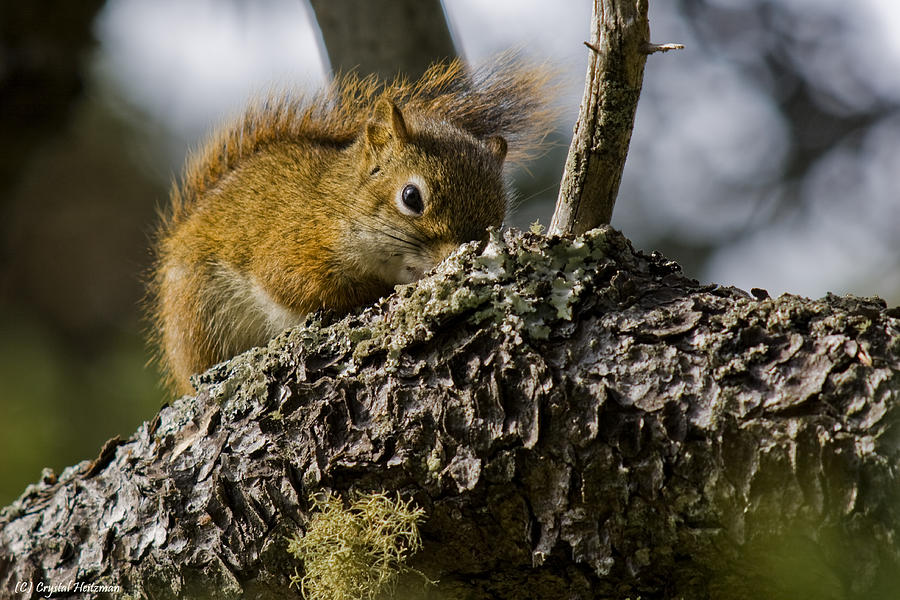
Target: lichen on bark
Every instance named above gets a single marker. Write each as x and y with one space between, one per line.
571 414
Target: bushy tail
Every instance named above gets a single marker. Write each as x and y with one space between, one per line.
504 96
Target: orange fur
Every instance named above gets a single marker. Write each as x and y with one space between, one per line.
294 207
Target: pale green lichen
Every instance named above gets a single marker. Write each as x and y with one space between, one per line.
433 463
502 284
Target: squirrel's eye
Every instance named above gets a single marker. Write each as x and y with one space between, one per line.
412 199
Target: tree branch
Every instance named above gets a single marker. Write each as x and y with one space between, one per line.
569 413
620 45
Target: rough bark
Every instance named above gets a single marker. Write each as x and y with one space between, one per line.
384 37
620 36
578 421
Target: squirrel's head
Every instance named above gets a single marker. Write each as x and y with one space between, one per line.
425 187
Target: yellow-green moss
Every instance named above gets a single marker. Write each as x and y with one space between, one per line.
357 552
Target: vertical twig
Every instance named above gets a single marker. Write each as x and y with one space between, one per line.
620 43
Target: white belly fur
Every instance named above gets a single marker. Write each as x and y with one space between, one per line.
244 314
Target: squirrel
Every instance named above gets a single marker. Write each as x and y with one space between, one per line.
328 201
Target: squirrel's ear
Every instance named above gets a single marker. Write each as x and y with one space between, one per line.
387 123
497 146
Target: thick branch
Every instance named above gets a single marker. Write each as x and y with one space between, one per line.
570 414
619 45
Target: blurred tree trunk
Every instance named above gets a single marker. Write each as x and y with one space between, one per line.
42 51
577 420
384 37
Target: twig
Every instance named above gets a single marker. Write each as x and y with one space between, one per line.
602 133
650 48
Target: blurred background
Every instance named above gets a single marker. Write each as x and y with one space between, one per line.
764 155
